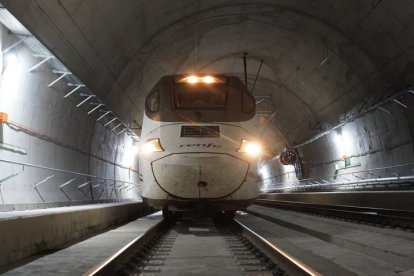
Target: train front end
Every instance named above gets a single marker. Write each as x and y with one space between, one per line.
196 153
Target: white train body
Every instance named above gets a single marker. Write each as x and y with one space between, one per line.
195 160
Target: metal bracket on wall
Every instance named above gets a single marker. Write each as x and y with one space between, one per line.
118 125
88 97
15 28
13 148
120 185
97 185
123 188
100 194
45 58
102 181
22 38
41 182
105 114
110 121
77 87
374 106
95 108
83 185
8 178
63 74
65 184
122 131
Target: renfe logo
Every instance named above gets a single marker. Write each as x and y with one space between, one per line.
201 145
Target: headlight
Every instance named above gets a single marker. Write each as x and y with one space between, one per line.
251 148
152 145
193 79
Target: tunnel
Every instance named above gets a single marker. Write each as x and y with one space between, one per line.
333 89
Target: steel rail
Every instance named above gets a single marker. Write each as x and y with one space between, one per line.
290 264
110 265
392 217
282 259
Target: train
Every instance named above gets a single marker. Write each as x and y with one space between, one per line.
196 151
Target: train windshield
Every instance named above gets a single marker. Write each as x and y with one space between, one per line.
200 96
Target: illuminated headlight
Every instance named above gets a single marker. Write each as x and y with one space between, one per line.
200 79
152 145
208 79
251 148
192 79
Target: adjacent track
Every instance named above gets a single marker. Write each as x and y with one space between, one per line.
201 245
380 216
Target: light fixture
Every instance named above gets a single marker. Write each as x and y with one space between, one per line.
208 79
193 79
251 148
131 153
11 60
152 145
343 143
11 82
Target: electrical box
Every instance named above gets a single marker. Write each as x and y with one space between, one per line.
3 117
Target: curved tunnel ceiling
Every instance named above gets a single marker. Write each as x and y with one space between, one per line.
321 57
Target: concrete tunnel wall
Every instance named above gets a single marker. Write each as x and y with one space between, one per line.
375 140
322 59
56 134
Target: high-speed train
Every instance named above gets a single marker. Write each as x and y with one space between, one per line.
196 153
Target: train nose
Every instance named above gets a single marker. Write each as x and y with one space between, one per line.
198 175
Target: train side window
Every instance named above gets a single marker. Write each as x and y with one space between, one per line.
153 102
248 103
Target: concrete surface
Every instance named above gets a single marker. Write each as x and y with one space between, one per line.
82 257
26 233
61 137
400 200
335 247
332 247
45 205
198 248
323 60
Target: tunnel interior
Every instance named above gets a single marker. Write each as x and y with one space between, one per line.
334 87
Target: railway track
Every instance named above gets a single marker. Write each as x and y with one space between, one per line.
378 216
205 246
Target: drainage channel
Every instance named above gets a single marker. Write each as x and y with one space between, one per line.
201 245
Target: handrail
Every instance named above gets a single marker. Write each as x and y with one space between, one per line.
340 174
64 171
390 177
373 181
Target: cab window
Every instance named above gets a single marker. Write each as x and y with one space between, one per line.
200 96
